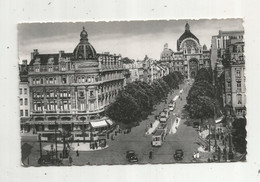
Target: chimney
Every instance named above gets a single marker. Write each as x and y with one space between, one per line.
35 52
60 53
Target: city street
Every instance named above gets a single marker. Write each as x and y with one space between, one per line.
185 138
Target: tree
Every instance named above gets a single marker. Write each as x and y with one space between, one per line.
239 134
124 109
204 74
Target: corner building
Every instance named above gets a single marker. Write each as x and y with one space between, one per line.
189 57
72 89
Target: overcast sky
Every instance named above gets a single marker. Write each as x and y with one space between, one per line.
133 39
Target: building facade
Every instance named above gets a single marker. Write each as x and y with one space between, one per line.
189 57
24 98
234 92
72 89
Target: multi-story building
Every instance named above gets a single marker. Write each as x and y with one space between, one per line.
219 44
234 72
72 89
189 57
24 99
227 56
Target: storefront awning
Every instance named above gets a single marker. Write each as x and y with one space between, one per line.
109 122
98 124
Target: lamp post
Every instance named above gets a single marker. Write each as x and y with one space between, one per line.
83 129
40 141
56 148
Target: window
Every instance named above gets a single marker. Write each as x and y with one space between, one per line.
26 112
91 93
21 91
81 94
239 99
228 84
82 106
21 102
238 85
50 69
37 69
228 99
64 80
41 80
26 101
63 67
238 73
25 91
21 112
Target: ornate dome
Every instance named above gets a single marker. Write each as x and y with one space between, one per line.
185 35
84 50
166 53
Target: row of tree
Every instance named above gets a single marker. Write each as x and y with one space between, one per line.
136 101
201 100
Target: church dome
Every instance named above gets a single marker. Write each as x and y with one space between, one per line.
166 53
185 35
84 50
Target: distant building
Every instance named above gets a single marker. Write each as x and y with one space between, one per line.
72 89
189 57
24 98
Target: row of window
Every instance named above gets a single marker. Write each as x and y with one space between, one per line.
238 85
24 102
239 99
23 91
52 94
50 68
24 113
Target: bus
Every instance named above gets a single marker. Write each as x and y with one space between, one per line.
158 137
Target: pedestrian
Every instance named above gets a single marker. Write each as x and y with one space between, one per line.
151 125
209 160
70 160
150 155
214 158
77 153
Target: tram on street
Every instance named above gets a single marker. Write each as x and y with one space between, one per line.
158 138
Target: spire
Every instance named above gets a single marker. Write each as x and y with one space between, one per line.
187 27
166 46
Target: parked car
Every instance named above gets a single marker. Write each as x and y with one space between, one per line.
48 160
178 155
131 156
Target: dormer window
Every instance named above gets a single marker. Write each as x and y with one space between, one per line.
63 67
37 69
50 68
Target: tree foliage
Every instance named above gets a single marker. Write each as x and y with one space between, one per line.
239 134
201 99
136 101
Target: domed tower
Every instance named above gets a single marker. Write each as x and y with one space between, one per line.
166 53
84 50
187 34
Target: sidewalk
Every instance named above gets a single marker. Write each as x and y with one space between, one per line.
153 128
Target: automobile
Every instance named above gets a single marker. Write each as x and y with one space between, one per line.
163 119
178 155
48 160
131 156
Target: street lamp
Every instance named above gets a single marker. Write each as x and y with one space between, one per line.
83 129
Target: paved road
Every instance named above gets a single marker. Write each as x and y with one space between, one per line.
137 140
